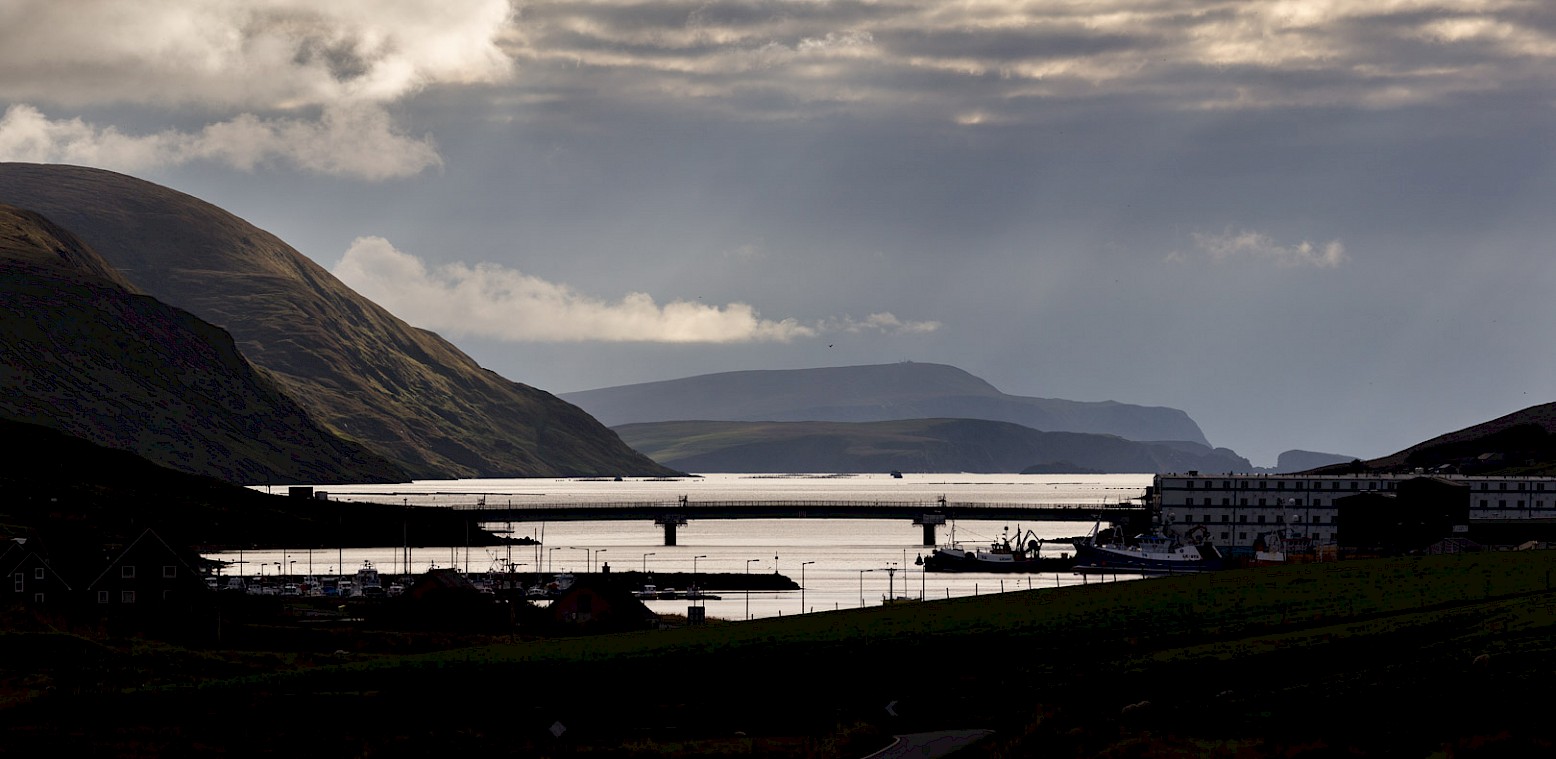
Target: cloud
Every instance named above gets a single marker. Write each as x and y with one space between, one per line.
496 302
284 82
255 55
882 322
1255 246
995 62
359 142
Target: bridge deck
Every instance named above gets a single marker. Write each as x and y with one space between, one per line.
772 509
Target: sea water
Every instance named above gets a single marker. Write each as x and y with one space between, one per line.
844 563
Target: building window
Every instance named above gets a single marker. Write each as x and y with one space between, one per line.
169 570
127 571
1241 518
37 598
1520 503
1483 503
1188 502
18 582
1242 536
1356 485
1226 502
37 573
127 597
102 596
1502 504
1242 502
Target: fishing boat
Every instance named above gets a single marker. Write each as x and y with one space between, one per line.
367 583
1023 554
1155 552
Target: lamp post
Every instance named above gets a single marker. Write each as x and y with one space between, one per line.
645 561
748 587
586 556
548 556
802 584
861 586
597 553
921 580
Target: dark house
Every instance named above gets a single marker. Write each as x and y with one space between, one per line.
596 605
29 580
1412 517
148 572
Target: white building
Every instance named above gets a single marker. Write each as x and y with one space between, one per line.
1234 509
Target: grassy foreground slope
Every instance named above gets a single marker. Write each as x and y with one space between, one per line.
1421 656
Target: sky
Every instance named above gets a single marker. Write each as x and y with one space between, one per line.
1309 224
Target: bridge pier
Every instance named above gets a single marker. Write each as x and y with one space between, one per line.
928 521
670 522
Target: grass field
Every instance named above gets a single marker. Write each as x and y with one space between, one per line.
1419 656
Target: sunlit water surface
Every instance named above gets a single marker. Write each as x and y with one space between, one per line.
843 562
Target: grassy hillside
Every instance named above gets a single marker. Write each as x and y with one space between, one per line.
366 375
1421 656
83 353
912 445
1523 442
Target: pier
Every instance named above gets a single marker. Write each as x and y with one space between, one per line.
929 514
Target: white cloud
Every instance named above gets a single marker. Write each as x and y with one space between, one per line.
285 82
492 301
496 302
252 55
882 322
358 142
1256 246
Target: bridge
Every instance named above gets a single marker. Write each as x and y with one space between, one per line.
672 514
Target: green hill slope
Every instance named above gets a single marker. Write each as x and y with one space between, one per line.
366 375
81 353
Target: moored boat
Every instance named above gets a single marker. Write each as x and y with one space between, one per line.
1154 552
1024 554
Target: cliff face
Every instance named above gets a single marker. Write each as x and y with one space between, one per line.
83 354
874 393
364 374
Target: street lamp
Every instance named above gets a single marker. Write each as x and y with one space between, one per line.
548 556
597 553
587 565
645 561
748 586
802 584
921 580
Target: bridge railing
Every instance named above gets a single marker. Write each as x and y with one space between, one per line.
796 504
